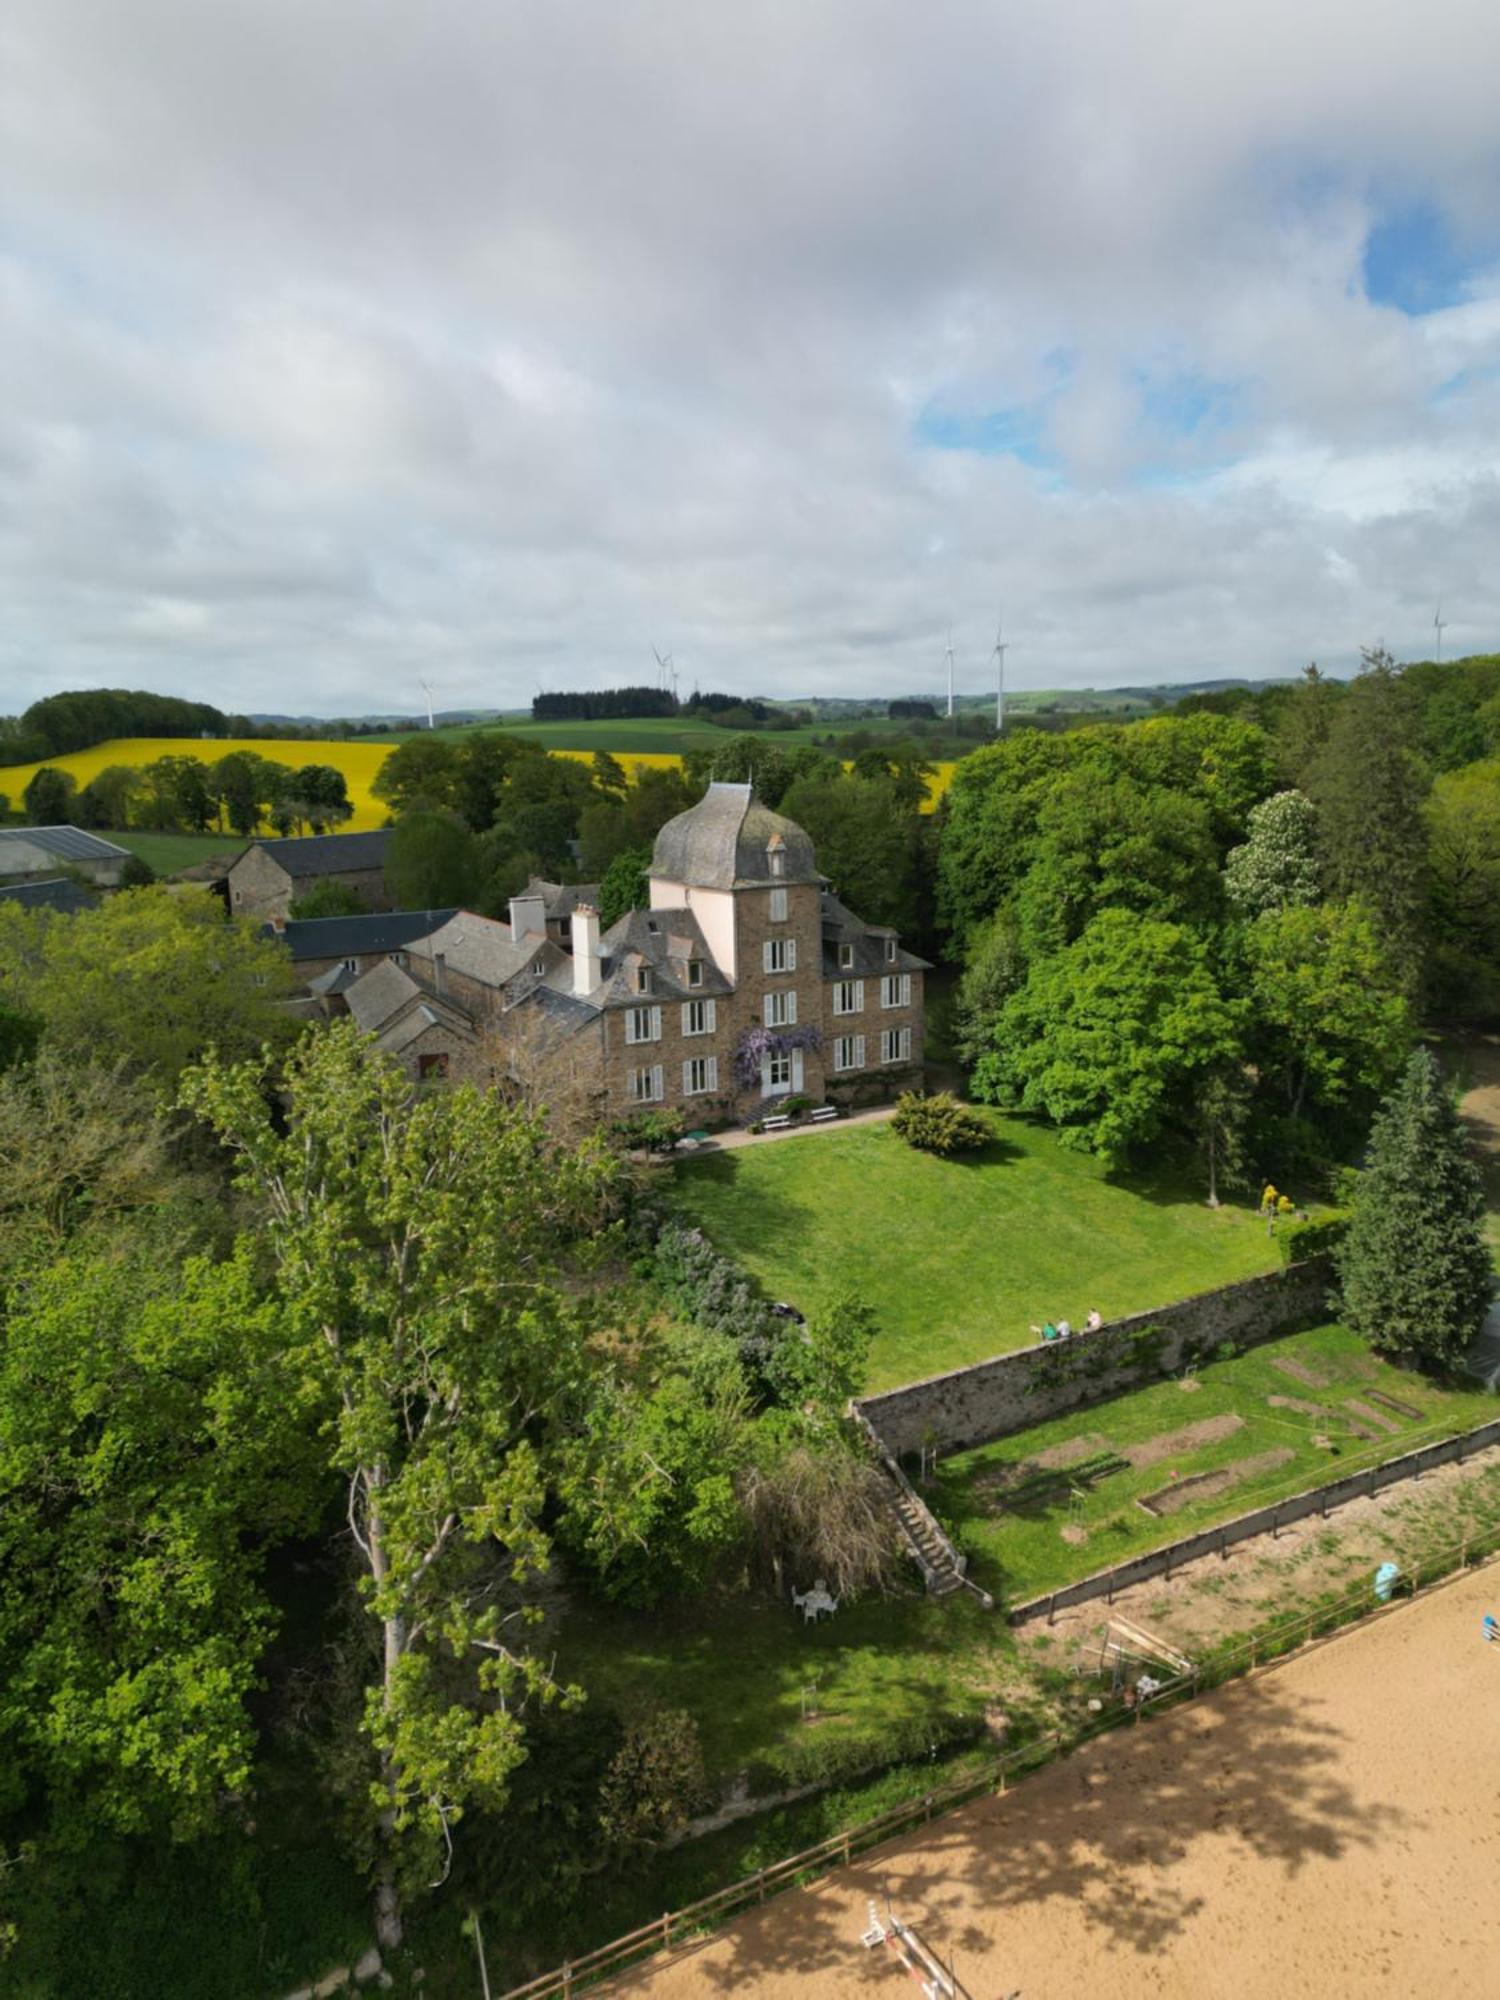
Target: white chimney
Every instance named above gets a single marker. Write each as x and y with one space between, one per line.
586 968
528 918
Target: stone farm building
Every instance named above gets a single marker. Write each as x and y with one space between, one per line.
36 852
745 981
271 875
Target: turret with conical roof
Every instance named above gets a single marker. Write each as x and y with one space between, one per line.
731 840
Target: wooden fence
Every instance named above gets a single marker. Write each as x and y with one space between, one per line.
1270 1642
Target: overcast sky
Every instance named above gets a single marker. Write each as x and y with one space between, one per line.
348 343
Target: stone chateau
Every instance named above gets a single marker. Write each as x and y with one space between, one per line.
745 981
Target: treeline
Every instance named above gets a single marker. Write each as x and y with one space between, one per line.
241 793
78 720
603 705
1228 923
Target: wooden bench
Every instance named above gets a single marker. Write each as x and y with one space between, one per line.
777 1124
824 1112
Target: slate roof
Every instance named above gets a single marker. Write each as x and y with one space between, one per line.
63 843
842 927
326 853
560 899
663 939
55 892
482 949
379 993
723 842
356 937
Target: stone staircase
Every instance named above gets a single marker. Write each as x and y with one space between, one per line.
941 1565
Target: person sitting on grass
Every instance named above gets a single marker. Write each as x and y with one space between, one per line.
1049 1331
1065 1329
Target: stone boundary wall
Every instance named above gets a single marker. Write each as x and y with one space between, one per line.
1011 1392
1264 1520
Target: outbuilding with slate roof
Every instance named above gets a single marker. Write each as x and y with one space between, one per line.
27 851
271 875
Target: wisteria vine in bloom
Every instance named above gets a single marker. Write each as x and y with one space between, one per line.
758 1044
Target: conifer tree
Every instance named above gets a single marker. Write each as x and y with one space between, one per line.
1415 1265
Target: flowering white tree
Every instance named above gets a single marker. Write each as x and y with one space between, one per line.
1277 868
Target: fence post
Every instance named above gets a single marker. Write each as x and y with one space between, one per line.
761 1884
666 1926
567 1978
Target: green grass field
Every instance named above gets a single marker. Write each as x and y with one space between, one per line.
1030 1526
960 1257
167 852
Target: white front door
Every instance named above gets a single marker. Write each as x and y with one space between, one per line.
781 1073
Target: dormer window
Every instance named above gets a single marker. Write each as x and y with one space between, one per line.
776 860
846 957
890 951
643 979
695 972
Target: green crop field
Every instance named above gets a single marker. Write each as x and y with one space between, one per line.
1059 1501
167 852
961 1257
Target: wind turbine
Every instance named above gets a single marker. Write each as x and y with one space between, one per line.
950 673
428 690
667 674
1439 622
1001 646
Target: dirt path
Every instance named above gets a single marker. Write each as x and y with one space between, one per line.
1326 1830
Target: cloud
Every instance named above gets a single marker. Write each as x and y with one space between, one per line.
356 344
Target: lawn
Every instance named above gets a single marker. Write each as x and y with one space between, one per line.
747 1666
1047 1505
167 852
961 1257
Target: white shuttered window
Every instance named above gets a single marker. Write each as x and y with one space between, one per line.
648 1086
895 990
700 1075
849 1052
699 1017
643 1024
849 996
781 1009
779 955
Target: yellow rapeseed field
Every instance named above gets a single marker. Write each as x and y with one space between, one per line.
359 761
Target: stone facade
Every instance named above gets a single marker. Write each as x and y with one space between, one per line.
1011 1392
271 875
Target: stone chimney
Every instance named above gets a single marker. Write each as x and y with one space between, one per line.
528 918
587 971
439 972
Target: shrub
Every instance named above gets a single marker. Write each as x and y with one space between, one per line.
939 1124
1320 1238
137 874
656 1781
714 1292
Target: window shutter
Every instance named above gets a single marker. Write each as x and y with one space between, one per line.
713 1072
687 1077
791 1010
711 1015
656 1024
658 1088
906 989
791 954
765 956
859 996
859 1051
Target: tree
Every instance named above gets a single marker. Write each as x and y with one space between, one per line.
322 796
1278 864
868 838
993 968
433 862
105 799
149 980
20 1034
816 1368
1328 1017
423 771
136 872
415 1239
1221 1106
625 886
1369 784
1463 827
48 798
177 792
1414 1265
150 1451
1114 842
248 787
1110 1036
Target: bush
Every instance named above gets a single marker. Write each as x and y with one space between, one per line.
137 874
714 1292
1320 1238
939 1124
656 1782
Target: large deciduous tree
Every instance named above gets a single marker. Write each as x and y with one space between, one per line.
1328 1015
1415 1266
48 798
1278 865
415 1239
1463 823
150 1450
1110 1036
148 981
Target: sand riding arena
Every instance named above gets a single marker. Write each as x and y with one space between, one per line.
1327 1828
